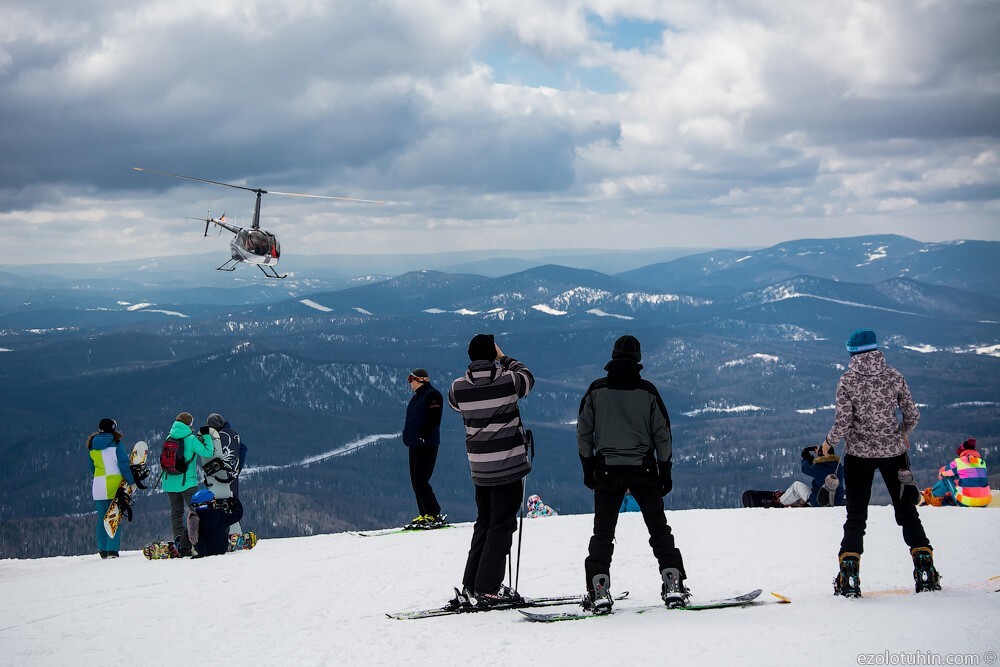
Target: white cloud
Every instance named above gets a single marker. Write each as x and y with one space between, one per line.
746 121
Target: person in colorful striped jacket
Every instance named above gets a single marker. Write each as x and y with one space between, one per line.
967 474
497 446
108 465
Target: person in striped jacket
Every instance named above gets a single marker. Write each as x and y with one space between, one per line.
497 446
967 476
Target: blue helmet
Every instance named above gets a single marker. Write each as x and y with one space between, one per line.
202 497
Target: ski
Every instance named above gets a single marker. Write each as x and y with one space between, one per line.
523 604
396 531
745 600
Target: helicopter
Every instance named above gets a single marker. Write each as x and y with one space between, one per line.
251 245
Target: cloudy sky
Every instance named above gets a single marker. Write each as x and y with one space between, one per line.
503 123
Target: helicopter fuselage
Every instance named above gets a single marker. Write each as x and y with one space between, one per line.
255 246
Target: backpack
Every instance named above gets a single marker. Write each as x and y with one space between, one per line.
172 457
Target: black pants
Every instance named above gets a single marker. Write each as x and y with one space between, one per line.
859 473
492 535
643 483
422 461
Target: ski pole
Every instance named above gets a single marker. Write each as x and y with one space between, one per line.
530 437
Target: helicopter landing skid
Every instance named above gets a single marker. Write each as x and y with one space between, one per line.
273 274
228 265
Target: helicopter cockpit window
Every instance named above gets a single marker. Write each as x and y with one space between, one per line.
257 242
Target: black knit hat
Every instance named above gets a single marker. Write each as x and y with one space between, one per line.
482 347
627 347
216 421
419 374
107 425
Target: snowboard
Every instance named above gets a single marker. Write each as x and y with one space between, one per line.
242 541
745 600
160 550
524 603
219 473
761 499
121 504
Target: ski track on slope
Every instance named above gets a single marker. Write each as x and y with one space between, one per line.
339 451
321 600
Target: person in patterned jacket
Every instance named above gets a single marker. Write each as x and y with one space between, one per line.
868 396
498 448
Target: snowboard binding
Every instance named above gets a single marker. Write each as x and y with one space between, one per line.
598 599
848 582
673 592
925 575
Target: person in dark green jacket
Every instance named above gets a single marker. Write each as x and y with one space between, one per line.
180 487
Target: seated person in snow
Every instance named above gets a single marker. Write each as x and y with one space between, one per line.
964 481
819 463
209 521
537 509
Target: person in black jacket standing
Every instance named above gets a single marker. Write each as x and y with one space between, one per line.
497 446
623 433
422 436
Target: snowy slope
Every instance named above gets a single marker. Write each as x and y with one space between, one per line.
320 600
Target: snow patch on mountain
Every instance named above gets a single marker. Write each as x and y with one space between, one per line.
783 292
138 306
812 411
973 404
922 348
362 311
601 313
465 311
339 451
317 306
5 349
434 311
542 308
723 409
875 255
173 313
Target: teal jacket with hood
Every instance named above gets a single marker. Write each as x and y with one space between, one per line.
195 445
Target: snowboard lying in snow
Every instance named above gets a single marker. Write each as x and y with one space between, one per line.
753 498
161 550
745 600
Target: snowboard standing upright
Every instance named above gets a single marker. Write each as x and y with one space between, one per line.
121 504
219 473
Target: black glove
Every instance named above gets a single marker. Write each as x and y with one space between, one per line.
589 471
124 504
808 454
666 481
203 430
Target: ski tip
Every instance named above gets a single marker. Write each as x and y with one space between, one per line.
781 598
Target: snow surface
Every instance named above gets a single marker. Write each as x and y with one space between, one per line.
317 306
362 310
164 312
923 348
722 409
321 600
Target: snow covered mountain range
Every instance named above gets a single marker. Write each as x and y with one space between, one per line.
745 346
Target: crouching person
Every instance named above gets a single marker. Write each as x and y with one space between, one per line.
209 521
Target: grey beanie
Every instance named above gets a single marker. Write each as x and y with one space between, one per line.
216 421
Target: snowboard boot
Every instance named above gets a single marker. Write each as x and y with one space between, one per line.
848 582
114 554
503 597
419 521
925 575
437 521
673 592
598 598
103 554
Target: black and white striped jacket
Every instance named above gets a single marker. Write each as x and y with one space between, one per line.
494 437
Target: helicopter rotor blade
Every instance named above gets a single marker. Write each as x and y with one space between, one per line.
297 194
200 180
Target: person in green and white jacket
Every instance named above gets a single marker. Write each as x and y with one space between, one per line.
108 465
180 488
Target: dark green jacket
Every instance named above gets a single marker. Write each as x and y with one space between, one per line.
622 418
